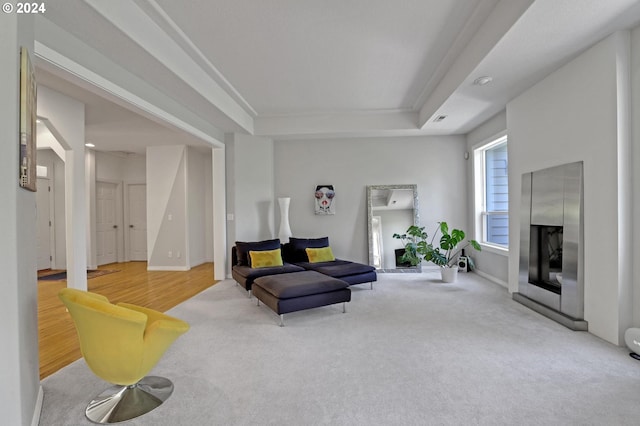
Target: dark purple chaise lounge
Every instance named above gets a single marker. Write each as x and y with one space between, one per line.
298 283
346 270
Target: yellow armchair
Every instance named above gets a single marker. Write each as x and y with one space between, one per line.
121 344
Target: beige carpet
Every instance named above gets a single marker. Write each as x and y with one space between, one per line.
412 351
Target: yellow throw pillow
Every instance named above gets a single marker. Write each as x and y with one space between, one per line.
317 255
265 258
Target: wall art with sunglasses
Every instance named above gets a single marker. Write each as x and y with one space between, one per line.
325 199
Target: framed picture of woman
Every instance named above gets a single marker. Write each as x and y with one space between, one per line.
325 203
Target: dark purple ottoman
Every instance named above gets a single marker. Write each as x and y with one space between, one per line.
296 291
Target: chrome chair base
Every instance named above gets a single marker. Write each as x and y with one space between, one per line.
120 403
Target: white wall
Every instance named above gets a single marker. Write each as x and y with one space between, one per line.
178 178
91 203
135 168
109 167
66 118
20 390
250 197
635 156
492 264
166 208
219 224
198 181
208 206
572 115
115 167
436 164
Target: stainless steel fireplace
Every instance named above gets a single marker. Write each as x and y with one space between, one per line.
551 244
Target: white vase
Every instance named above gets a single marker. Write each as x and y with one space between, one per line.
449 275
284 232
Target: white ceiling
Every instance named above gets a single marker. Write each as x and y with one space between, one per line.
293 56
308 68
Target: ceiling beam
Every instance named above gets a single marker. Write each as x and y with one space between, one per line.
144 31
53 61
336 124
503 16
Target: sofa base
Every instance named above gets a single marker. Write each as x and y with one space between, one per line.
307 302
368 277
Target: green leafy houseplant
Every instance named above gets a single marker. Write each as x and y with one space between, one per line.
415 245
419 247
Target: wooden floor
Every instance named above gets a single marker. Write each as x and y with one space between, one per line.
132 283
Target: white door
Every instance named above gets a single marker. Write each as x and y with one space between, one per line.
106 226
138 222
44 224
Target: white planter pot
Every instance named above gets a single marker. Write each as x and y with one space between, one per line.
449 275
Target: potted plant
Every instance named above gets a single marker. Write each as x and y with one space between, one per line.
415 244
419 247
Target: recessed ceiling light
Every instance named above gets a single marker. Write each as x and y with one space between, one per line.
38 121
90 145
481 81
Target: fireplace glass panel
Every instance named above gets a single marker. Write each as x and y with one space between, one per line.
545 257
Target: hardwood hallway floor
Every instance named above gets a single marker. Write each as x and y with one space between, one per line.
131 283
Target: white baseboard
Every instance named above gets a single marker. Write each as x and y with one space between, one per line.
35 420
168 268
491 278
430 267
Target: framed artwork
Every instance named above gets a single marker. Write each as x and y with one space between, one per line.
325 195
28 113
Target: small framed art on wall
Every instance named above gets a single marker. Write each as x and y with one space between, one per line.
325 199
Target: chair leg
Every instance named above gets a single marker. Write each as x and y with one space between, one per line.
120 403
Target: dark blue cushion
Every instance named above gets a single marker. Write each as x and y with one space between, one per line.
243 248
250 273
297 247
338 268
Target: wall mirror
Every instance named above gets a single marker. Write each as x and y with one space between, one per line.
391 209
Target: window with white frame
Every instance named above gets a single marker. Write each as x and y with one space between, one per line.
492 193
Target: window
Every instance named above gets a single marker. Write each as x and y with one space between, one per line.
492 193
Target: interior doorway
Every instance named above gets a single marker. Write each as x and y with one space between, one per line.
137 222
44 208
106 223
